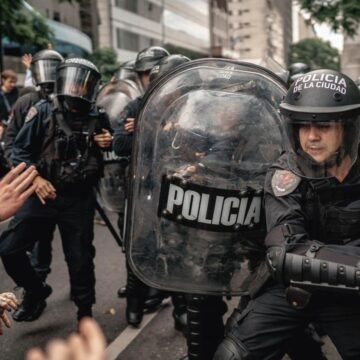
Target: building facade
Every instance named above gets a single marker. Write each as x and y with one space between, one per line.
129 26
350 60
219 29
261 29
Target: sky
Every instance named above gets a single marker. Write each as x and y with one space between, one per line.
336 40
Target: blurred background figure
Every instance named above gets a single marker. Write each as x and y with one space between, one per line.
8 95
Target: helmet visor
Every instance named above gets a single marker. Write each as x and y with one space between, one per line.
44 71
322 149
77 82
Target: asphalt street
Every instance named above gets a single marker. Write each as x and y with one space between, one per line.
156 339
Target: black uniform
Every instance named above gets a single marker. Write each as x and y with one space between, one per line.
61 146
41 254
122 143
17 118
315 209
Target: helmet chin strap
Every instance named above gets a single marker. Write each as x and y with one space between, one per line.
306 162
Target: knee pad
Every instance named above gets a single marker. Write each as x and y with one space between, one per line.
230 349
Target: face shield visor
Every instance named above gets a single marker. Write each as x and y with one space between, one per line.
44 71
77 87
319 149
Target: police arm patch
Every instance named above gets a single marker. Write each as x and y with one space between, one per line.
284 182
31 114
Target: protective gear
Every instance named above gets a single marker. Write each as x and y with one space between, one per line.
71 158
231 350
147 58
43 69
126 72
297 70
200 173
114 97
33 304
319 100
166 64
77 82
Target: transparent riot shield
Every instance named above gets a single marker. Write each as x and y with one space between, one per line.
206 135
113 97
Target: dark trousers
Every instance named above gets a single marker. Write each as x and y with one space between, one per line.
269 323
41 254
73 214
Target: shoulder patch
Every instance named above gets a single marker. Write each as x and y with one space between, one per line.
31 114
284 182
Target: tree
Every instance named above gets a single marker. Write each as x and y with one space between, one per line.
317 53
106 61
341 15
20 25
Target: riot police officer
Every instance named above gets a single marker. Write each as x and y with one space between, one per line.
127 73
312 213
136 297
43 69
63 140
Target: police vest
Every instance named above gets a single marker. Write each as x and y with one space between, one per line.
333 211
69 158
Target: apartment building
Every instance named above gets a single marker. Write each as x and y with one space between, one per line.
260 29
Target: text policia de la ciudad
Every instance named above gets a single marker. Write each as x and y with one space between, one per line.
326 81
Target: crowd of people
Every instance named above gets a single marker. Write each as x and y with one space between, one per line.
62 137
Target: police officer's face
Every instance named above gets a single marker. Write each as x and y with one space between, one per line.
145 79
321 141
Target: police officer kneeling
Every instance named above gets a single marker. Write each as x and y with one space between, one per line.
312 202
59 139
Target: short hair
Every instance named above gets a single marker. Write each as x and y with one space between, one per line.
8 74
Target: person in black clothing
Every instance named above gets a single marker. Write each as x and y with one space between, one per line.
43 68
312 208
44 64
122 145
63 140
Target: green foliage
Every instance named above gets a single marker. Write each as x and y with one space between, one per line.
22 26
106 61
341 15
317 53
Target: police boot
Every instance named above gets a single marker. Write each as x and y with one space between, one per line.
134 310
84 311
136 292
180 312
33 304
122 292
153 299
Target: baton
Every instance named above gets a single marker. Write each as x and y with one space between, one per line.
109 225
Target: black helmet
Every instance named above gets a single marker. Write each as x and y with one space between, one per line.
299 68
43 68
357 82
126 71
77 82
322 99
146 59
167 63
296 70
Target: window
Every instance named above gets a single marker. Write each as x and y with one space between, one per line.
133 42
127 40
130 5
56 16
